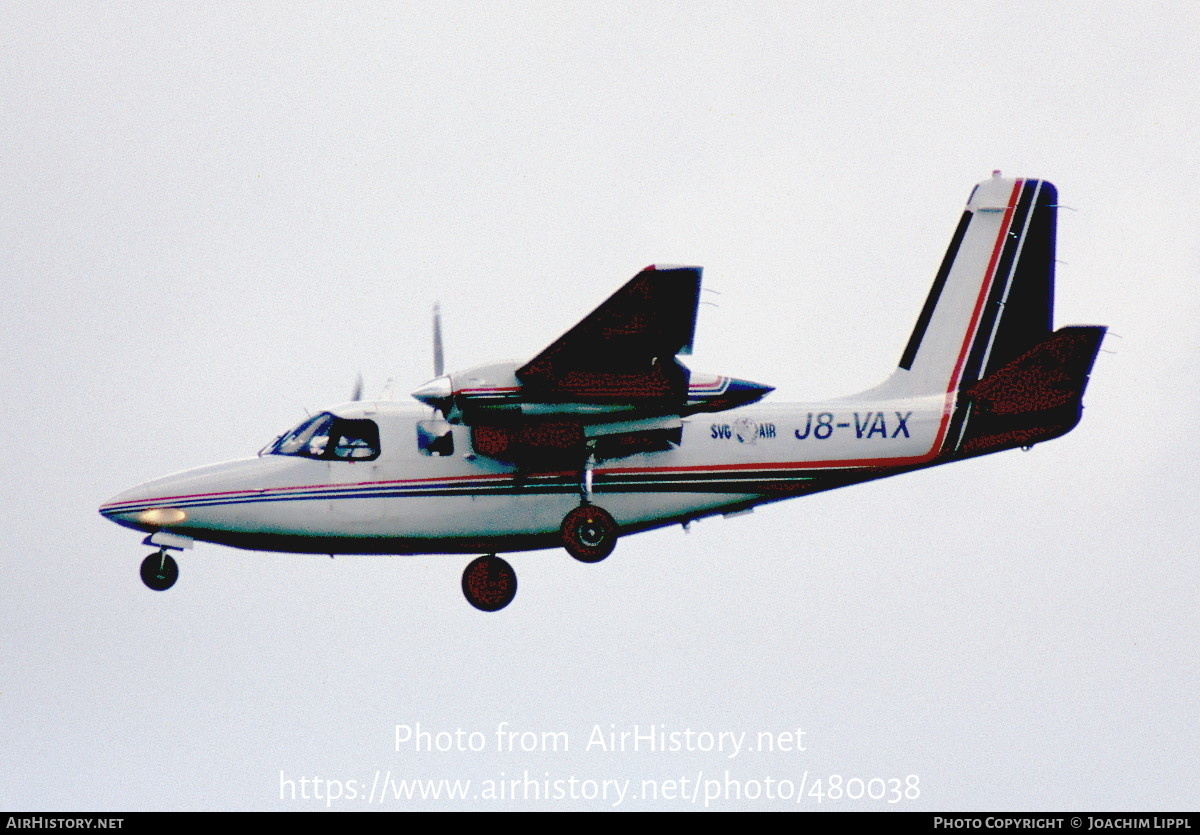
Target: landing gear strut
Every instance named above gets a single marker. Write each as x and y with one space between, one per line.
489 583
160 571
589 533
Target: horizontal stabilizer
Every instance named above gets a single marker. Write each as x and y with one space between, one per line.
1033 398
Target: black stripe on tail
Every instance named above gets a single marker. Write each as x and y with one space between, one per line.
1018 312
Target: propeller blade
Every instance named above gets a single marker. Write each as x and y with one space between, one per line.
438 364
358 388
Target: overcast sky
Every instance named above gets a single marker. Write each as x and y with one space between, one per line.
213 218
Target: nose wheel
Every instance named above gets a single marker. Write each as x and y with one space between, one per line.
160 571
589 533
489 583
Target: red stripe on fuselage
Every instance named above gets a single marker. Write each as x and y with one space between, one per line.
947 411
947 406
268 491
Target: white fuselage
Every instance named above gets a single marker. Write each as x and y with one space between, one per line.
361 478
407 502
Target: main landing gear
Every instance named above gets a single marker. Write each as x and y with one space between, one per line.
160 571
589 533
489 583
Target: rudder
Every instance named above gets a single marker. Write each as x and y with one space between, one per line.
984 342
993 297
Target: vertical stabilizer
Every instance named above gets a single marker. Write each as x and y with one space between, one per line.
993 297
985 339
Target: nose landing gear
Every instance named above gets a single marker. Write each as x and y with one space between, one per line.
160 571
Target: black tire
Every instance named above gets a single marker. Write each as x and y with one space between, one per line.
589 533
159 571
489 583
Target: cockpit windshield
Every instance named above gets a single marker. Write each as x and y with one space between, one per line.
330 438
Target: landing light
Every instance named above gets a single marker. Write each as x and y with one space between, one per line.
162 516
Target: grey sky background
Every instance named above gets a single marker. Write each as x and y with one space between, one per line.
213 218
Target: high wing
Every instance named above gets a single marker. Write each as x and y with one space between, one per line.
609 387
624 350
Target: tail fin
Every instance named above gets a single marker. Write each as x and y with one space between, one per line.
985 338
993 297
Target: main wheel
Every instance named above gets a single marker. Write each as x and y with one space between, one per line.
589 533
489 583
160 571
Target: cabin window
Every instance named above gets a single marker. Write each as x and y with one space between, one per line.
329 438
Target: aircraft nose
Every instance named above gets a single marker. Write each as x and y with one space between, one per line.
117 504
136 508
181 498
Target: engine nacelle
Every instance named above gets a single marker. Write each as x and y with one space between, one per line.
489 393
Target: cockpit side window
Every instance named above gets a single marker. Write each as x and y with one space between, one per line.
355 440
329 438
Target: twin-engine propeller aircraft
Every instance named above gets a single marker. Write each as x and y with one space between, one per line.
606 433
